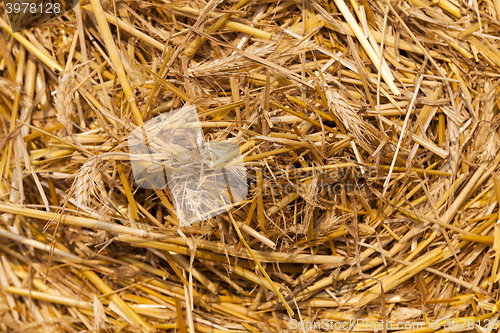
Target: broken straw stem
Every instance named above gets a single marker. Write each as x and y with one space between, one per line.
403 130
366 45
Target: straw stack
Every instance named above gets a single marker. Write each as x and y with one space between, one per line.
369 133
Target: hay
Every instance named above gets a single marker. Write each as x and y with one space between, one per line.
369 136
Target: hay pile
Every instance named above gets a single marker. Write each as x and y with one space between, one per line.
369 135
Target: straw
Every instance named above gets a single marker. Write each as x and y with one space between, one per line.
366 133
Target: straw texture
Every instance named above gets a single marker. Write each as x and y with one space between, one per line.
369 135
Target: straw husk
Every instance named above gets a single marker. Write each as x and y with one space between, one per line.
369 136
